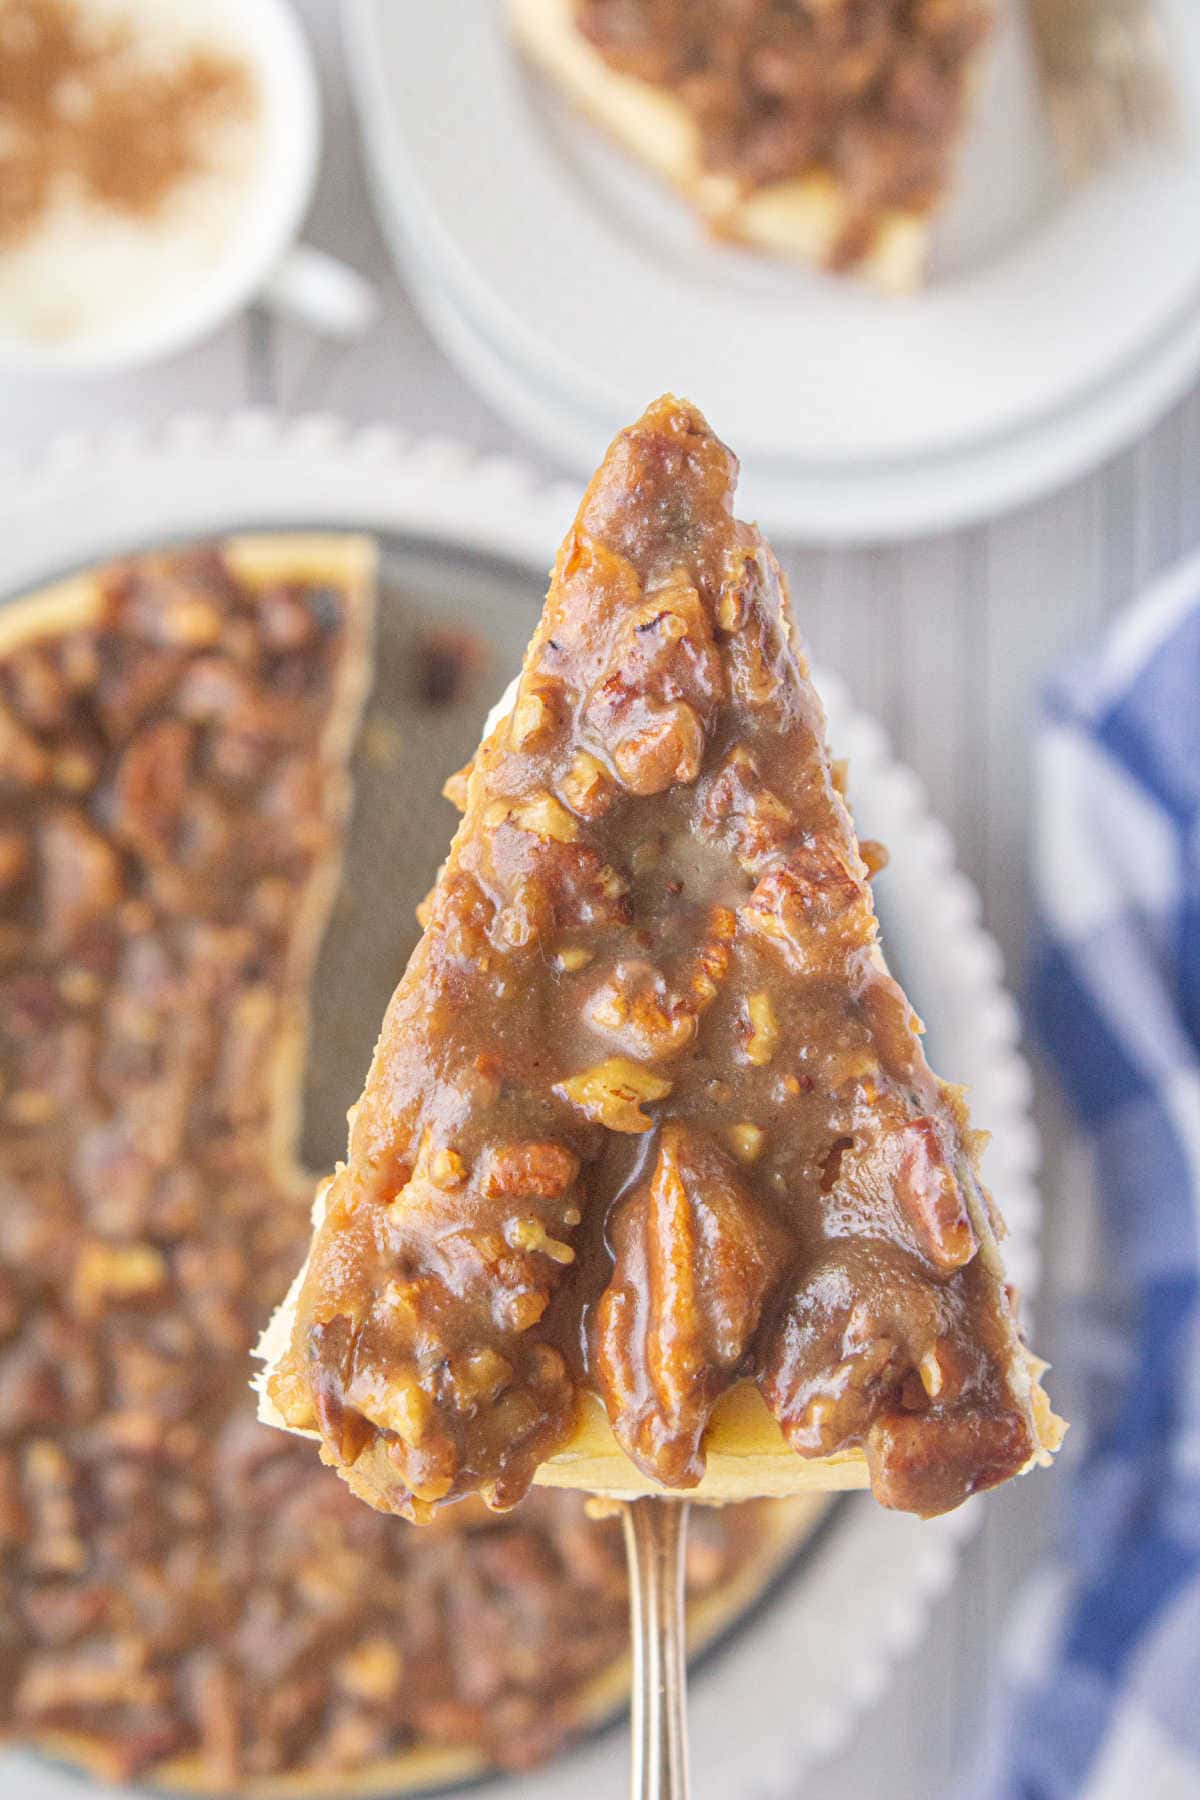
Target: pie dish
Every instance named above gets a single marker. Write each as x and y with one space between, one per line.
188 1598
648 1119
826 134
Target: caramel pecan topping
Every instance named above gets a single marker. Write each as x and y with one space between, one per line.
647 1117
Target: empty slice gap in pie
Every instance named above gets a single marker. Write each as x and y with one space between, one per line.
826 133
650 1184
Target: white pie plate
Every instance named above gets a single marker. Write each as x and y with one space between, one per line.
822 1649
572 289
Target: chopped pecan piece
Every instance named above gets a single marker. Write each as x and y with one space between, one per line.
898 1166
153 779
536 715
931 1198
763 1036
81 876
665 749
330 1348
860 1321
75 771
455 786
23 761
462 915
929 1462
813 906
543 878
371 1670
530 1171
710 964
587 787
108 1273
14 858
40 689
218 1712
739 806
613 1093
541 814
638 1011
529 1233
745 1140
664 676
447 1168
109 1674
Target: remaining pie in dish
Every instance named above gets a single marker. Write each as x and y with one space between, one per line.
185 1595
825 130
650 1184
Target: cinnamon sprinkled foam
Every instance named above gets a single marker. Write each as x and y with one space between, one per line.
128 136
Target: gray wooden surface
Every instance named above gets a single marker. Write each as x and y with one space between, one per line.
945 640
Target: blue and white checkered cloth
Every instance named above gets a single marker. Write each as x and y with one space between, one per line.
1104 1702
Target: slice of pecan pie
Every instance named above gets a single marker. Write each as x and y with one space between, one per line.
650 1176
824 130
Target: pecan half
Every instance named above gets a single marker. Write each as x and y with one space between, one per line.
695 1260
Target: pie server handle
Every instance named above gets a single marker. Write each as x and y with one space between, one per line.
655 1538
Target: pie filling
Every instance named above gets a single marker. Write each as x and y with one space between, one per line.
870 92
179 1584
647 1116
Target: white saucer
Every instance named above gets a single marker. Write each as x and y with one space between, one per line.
572 289
481 534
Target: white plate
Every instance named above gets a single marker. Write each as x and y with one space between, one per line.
573 288
823 1649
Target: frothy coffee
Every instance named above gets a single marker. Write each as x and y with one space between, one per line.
129 139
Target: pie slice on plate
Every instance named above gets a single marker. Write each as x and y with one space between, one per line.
651 1186
823 130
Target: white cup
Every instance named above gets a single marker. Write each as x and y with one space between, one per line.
260 259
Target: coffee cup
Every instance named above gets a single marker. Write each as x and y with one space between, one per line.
125 251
